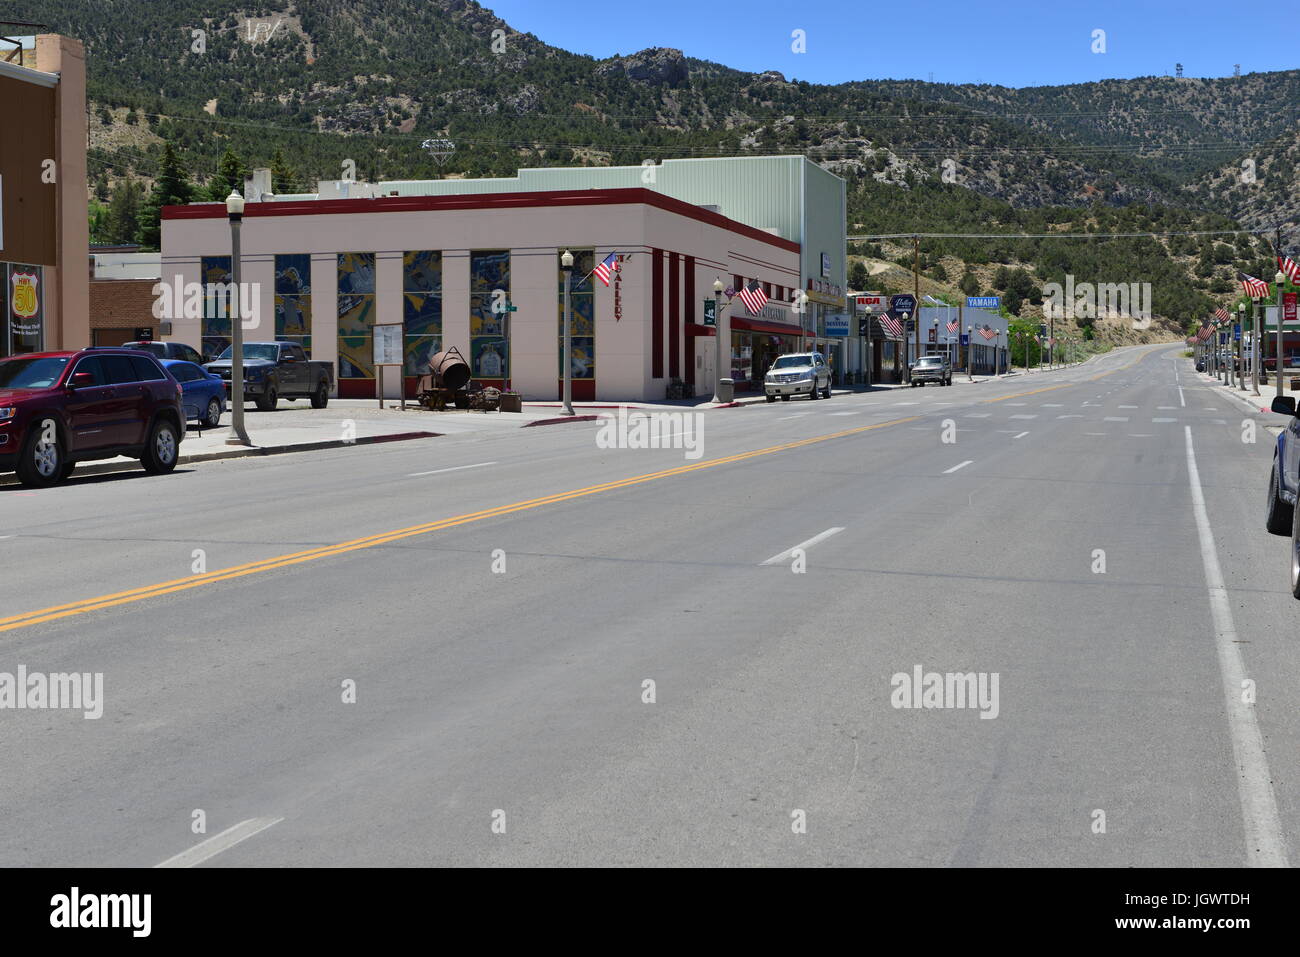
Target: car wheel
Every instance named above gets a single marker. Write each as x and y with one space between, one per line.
785 398
771 398
160 450
321 397
40 464
1278 518
827 393
213 418
266 401
812 393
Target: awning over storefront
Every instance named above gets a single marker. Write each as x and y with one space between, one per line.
741 324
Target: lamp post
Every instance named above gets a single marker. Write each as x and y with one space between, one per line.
1280 279
566 265
235 211
717 337
907 343
970 344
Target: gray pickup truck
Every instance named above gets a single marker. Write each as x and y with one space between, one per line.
278 370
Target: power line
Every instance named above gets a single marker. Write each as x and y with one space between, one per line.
1146 235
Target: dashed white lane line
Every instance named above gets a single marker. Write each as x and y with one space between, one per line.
1023 416
1265 845
220 842
1053 405
1115 418
1128 406
819 537
454 468
959 466
1164 420
1020 436
853 412
1210 408
1181 400
797 415
1141 435
978 415
1071 415
1165 408
1096 433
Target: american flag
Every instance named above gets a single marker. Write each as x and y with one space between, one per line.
1255 288
608 266
953 326
988 333
1290 267
893 327
753 297
1221 314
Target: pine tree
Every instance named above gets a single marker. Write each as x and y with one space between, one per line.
229 176
284 178
122 221
969 284
171 188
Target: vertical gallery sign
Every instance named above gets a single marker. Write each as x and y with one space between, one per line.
618 289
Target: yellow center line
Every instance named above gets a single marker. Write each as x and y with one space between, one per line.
326 551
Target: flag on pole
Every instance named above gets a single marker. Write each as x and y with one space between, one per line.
893 327
753 297
987 333
1255 288
1221 314
1290 267
608 266
953 326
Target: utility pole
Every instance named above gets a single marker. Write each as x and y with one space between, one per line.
916 291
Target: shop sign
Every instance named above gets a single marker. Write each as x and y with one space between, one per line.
837 326
24 302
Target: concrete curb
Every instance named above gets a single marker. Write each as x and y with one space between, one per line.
562 419
102 468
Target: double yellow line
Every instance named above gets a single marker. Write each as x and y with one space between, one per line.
328 551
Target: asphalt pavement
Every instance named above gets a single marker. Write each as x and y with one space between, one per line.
523 646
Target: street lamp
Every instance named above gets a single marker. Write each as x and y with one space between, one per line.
907 343
717 338
566 265
1280 279
970 344
800 310
235 211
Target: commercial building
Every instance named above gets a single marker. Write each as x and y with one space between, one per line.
475 264
44 300
123 293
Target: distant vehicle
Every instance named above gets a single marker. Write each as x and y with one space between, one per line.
931 369
1200 364
203 395
61 408
1282 517
796 374
1292 361
275 370
167 350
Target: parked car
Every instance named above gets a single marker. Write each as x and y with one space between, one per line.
168 350
1281 516
203 395
931 369
1290 361
61 408
276 370
797 373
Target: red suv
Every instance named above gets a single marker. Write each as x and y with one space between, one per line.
61 408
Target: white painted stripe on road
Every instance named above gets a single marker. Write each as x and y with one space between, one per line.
454 468
1115 418
1264 843
1020 436
978 415
785 555
1053 405
797 415
854 412
1022 415
1071 415
220 842
1128 406
1181 400
1165 408
956 467
1164 420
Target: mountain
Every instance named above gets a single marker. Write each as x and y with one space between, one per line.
368 81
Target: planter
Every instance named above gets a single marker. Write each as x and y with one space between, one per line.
1295 383
512 402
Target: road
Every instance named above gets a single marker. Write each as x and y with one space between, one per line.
498 602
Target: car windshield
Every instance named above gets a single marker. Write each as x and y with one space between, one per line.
31 373
157 348
255 350
928 361
792 362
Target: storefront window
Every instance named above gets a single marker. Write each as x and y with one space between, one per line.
356 315
23 304
422 309
293 299
582 327
489 316
215 326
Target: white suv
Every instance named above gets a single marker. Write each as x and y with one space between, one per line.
796 374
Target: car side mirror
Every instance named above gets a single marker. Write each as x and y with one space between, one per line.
81 380
1284 404
289 358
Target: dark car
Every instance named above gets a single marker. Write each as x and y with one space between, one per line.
61 408
203 395
277 370
168 350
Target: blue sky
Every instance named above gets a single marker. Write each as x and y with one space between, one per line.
1010 42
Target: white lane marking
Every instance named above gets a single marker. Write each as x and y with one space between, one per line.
797 415
1017 403
1141 435
1096 433
1211 408
1265 846
1115 418
2 537
1181 400
454 468
1020 436
978 415
956 467
905 403
785 555
1165 408
1219 421
853 412
220 842
1164 420
1072 415
1053 405
1022 415
1128 406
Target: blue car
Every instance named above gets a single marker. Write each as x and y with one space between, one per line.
203 395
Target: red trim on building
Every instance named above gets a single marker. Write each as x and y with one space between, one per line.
694 329
521 200
674 315
689 319
656 313
762 325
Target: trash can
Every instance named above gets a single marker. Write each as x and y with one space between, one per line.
726 390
